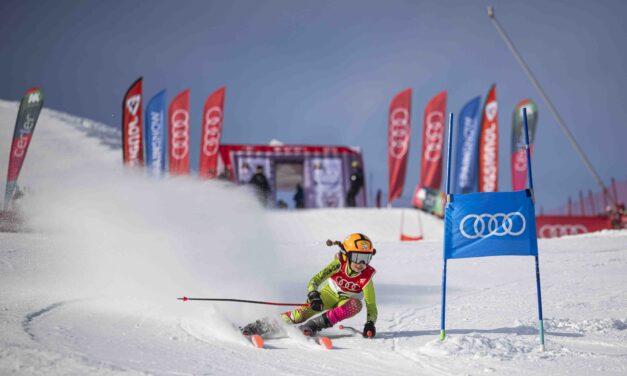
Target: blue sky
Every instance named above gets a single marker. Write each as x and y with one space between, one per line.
324 72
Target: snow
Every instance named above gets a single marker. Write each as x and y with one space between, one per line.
92 287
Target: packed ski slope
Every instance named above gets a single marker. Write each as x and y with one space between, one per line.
92 288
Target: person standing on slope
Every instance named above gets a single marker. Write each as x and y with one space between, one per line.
261 185
356 183
350 277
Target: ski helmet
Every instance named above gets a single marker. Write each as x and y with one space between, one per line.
357 248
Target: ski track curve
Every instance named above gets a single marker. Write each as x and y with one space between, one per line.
81 357
30 317
39 316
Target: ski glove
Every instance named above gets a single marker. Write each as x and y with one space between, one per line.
369 330
315 302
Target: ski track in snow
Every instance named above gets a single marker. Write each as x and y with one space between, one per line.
28 320
60 315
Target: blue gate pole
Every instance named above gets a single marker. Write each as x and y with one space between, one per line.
528 151
529 175
442 331
448 191
448 153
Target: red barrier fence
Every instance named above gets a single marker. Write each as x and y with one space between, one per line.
553 226
592 204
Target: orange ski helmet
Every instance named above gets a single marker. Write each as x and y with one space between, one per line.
358 244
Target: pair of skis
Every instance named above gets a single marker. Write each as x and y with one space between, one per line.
274 327
325 342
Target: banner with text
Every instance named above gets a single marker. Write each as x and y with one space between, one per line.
553 226
155 134
27 116
213 118
432 142
399 134
132 147
327 177
178 125
519 153
465 178
489 145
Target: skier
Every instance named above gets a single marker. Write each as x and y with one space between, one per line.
349 276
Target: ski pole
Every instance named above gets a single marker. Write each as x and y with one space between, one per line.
355 330
185 298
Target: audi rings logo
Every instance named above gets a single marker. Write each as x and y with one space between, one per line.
434 136
475 226
553 231
180 134
213 123
347 285
398 141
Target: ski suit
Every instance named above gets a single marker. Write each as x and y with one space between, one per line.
341 296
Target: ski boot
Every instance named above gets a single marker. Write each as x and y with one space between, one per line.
260 327
313 326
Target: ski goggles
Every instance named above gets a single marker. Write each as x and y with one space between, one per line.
360 258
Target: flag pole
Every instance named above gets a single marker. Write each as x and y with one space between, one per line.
448 191
548 102
529 175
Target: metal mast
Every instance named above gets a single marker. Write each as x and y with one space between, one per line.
548 102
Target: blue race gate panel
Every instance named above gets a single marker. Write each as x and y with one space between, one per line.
490 224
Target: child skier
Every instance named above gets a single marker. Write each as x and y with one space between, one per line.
349 276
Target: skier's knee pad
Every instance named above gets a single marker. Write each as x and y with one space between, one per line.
355 306
345 311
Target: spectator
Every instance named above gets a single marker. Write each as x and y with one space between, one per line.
244 172
299 197
616 214
260 182
356 183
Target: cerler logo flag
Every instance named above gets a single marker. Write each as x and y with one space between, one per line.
132 146
432 142
519 154
178 124
489 145
27 116
213 117
399 132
